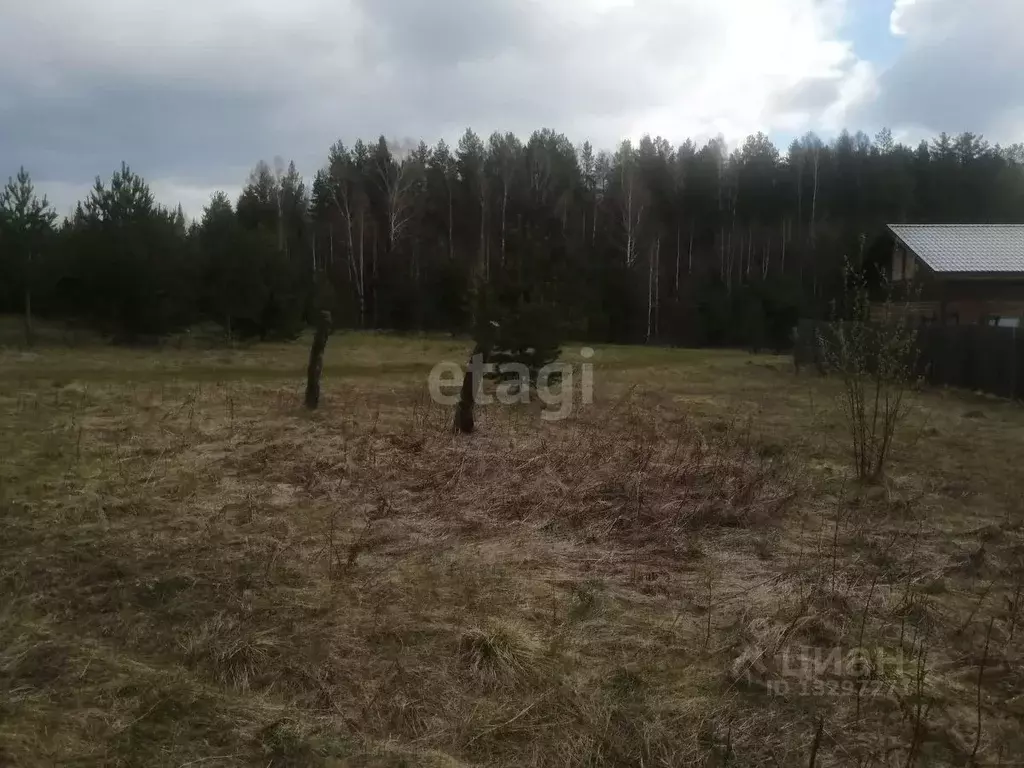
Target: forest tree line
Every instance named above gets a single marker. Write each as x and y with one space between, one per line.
687 244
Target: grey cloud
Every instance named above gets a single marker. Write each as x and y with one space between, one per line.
962 69
447 33
808 96
170 128
206 116
195 97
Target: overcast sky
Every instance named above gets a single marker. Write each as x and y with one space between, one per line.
193 93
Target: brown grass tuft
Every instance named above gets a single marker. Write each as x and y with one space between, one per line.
501 651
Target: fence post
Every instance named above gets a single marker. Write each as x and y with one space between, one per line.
316 361
1014 370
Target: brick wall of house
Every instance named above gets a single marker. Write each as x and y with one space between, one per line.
950 305
972 311
921 311
974 301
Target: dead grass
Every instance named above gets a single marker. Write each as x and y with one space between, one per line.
196 571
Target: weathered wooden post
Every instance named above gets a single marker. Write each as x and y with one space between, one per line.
467 398
316 360
464 410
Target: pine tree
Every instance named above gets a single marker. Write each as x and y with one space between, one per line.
26 222
515 330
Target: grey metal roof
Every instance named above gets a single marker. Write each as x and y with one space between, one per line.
965 247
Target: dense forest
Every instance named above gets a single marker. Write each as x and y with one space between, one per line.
689 244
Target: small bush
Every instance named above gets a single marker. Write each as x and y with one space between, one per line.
874 358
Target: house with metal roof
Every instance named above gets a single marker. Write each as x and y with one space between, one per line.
968 273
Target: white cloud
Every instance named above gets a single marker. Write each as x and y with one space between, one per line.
896 18
858 87
728 79
194 90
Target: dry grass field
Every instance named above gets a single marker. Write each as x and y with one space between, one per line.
195 571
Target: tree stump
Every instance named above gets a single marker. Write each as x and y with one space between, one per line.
464 410
316 360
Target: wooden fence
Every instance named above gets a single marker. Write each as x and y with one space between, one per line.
980 358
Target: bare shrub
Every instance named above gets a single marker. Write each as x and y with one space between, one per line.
874 357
